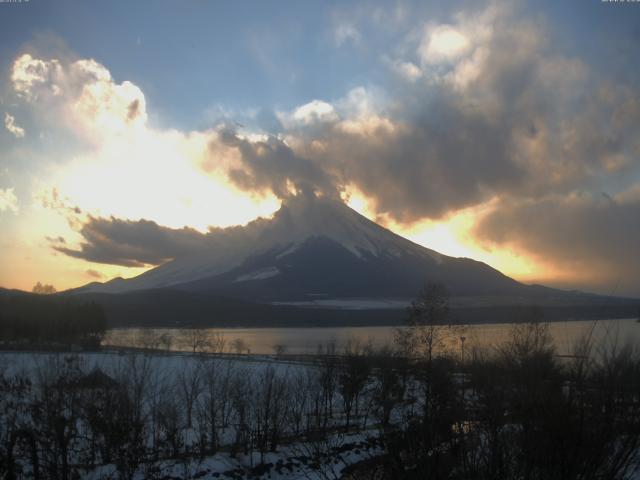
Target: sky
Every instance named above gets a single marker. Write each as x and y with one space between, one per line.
504 131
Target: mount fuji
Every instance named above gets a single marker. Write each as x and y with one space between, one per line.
316 248
319 253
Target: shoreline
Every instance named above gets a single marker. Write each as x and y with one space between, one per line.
329 324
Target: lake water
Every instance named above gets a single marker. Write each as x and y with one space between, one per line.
306 340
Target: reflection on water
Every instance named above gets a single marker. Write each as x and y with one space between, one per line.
306 340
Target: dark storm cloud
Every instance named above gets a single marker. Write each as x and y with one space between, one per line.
271 164
453 151
143 242
134 243
588 233
443 159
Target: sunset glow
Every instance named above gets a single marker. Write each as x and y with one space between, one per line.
445 139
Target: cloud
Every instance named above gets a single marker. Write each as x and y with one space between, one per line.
133 243
443 43
142 243
406 70
34 78
497 112
115 163
94 274
483 125
310 113
12 127
58 239
8 200
126 154
345 32
423 168
268 163
84 94
593 238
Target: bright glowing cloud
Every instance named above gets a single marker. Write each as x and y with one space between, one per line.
363 113
8 200
132 170
118 166
84 95
315 111
443 43
12 127
33 77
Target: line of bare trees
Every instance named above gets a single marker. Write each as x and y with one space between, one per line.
517 411
136 410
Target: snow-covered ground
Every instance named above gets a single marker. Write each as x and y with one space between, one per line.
296 461
258 393
170 364
161 377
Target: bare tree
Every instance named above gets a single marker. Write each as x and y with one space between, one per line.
387 390
270 409
170 423
328 364
239 346
196 339
279 349
326 454
241 395
57 410
300 398
15 402
166 341
217 342
209 404
149 338
428 326
189 384
131 416
354 373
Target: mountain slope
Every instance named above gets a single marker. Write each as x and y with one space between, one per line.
321 268
315 247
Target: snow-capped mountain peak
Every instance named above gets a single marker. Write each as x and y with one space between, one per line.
305 217
313 248
299 219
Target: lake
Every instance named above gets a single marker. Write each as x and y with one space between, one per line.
306 340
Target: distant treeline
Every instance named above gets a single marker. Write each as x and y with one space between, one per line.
44 320
175 308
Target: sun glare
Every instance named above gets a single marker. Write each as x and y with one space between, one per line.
157 177
453 236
